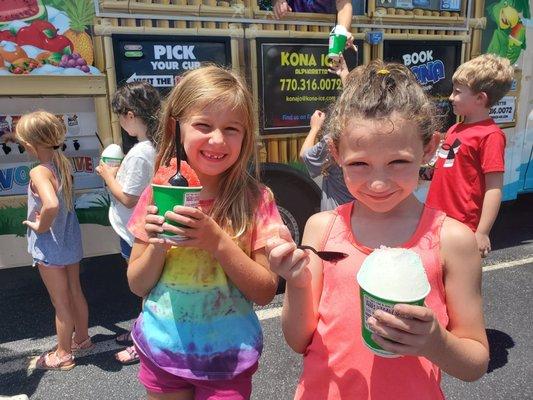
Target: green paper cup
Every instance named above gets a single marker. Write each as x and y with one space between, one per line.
371 303
167 197
112 162
337 42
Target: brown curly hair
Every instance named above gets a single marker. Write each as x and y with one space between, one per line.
378 90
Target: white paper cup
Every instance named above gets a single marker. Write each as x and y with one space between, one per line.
381 286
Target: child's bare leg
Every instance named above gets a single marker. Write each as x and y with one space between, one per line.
187 394
79 304
56 282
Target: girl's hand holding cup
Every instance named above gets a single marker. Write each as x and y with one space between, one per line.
154 226
201 230
411 330
287 260
105 171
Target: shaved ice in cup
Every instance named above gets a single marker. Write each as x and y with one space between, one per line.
166 196
112 155
389 276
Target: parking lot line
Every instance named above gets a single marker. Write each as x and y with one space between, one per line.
508 264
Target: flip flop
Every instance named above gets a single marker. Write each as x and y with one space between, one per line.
124 339
132 355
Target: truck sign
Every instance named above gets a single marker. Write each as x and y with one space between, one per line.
159 60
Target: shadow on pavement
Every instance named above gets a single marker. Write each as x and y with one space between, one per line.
19 382
31 316
499 343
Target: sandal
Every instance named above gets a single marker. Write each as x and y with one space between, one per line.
51 361
124 339
131 356
85 345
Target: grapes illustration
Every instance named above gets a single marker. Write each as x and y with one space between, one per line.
74 60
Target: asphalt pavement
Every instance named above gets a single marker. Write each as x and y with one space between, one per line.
26 329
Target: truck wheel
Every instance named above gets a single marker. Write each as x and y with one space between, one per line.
292 224
297 198
296 201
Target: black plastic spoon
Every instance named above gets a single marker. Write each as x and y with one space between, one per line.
178 179
332 256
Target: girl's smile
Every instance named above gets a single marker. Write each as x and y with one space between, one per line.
213 156
380 197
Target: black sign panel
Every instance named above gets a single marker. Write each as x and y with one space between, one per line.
293 82
158 60
433 63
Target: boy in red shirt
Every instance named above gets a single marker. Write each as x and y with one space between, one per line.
468 178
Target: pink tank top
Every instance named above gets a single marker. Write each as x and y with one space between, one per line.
337 365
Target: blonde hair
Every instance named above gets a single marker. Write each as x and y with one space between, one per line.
239 187
486 73
377 91
43 129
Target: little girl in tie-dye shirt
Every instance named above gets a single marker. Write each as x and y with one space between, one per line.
198 335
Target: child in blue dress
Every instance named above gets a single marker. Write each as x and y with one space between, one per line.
54 237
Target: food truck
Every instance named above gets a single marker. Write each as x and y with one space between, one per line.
68 57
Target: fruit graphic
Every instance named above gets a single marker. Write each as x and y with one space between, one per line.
27 35
24 65
81 15
43 34
57 43
23 10
11 52
7 35
74 60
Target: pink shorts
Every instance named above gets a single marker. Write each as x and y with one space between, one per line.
158 380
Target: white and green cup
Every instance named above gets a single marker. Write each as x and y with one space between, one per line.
112 155
389 276
337 42
111 161
167 197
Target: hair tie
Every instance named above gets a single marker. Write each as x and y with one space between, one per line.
383 71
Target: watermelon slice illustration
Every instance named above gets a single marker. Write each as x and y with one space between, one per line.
21 10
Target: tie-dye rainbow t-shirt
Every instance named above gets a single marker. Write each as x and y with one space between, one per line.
195 323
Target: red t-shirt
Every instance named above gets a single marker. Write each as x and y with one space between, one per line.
468 153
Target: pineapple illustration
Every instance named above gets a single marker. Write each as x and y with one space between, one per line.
81 15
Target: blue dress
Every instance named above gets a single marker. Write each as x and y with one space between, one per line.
61 245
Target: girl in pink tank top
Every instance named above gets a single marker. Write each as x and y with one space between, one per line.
383 129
